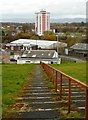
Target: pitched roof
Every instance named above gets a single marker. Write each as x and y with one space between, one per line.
39 54
80 46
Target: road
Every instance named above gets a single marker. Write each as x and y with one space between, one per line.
71 58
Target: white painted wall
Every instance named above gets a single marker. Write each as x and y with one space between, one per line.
20 61
66 51
16 57
59 61
55 55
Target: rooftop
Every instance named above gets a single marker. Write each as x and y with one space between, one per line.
39 54
80 46
40 43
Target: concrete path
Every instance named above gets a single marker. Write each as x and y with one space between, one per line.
37 100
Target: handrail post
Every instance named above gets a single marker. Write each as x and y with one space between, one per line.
56 82
86 110
54 73
69 95
60 85
53 77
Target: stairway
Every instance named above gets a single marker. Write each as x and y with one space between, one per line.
77 97
37 100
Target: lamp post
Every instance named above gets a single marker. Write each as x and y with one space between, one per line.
57 48
36 43
58 58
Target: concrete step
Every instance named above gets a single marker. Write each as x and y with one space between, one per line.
35 100
34 91
36 88
78 97
38 95
51 114
74 90
66 87
79 104
74 94
45 105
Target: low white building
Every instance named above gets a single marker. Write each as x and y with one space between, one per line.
46 44
40 43
37 56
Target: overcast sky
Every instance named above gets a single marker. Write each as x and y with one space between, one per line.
57 8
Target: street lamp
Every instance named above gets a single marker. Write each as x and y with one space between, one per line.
57 48
58 58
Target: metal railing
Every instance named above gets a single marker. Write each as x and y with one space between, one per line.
53 74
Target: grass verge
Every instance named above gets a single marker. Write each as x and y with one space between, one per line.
75 70
13 78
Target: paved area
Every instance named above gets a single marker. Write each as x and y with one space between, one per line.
38 100
70 58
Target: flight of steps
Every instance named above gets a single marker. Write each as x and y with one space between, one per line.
37 100
77 97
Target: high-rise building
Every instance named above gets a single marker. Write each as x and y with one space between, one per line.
42 22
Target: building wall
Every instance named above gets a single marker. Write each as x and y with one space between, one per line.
42 22
78 53
13 48
26 61
18 48
31 61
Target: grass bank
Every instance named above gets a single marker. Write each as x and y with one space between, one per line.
13 78
75 70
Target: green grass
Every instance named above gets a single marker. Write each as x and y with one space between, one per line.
75 70
13 78
66 61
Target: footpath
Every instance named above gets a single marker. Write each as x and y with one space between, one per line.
39 102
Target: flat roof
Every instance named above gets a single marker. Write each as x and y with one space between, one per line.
40 43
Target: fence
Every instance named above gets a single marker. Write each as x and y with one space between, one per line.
53 74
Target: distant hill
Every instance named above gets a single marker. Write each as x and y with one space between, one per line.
70 20
32 20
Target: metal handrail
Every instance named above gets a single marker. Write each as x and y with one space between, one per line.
52 71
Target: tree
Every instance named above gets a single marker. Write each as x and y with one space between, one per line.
23 36
25 28
35 37
48 33
71 41
49 37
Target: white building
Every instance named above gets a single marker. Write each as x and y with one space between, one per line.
42 22
37 56
41 43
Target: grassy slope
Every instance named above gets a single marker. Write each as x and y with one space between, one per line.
76 70
13 77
